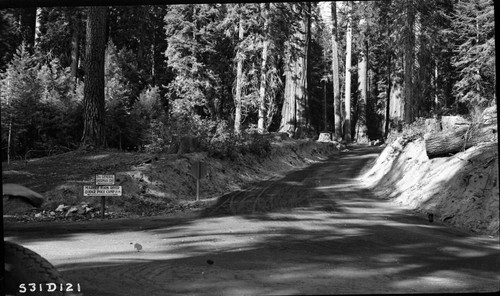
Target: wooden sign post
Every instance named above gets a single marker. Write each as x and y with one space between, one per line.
103 191
199 171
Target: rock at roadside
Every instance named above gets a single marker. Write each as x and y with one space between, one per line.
71 211
61 208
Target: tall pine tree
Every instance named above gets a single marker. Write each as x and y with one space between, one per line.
93 104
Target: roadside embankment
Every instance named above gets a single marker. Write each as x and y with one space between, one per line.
461 190
151 183
169 178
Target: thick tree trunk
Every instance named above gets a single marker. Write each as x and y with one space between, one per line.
307 27
302 97
347 122
336 79
362 136
263 70
239 81
293 115
93 102
388 99
409 49
288 112
389 85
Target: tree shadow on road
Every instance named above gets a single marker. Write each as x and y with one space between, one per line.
355 256
296 189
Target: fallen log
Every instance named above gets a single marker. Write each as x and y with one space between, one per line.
448 143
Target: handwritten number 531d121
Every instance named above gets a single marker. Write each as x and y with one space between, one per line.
48 287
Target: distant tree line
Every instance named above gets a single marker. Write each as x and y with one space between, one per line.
221 71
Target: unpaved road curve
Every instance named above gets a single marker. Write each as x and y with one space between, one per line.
335 237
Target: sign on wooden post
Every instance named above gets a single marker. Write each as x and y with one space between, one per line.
199 171
104 186
102 190
104 179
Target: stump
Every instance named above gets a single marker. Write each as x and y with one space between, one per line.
325 137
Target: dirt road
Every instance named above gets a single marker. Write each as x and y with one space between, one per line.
315 231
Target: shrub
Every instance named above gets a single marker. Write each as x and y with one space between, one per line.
258 144
225 144
409 132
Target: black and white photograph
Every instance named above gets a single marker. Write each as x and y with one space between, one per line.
155 148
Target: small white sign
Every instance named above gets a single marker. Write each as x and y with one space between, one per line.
102 191
104 179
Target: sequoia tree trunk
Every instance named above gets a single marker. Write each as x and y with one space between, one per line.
389 84
409 49
239 81
288 110
263 69
388 99
362 136
93 91
293 115
336 80
347 121
303 98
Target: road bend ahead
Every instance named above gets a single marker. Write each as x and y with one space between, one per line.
315 231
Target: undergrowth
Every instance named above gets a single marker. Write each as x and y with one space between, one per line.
229 145
217 138
409 132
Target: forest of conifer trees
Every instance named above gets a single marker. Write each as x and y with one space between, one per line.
141 77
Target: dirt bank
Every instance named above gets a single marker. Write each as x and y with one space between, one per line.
151 184
461 190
